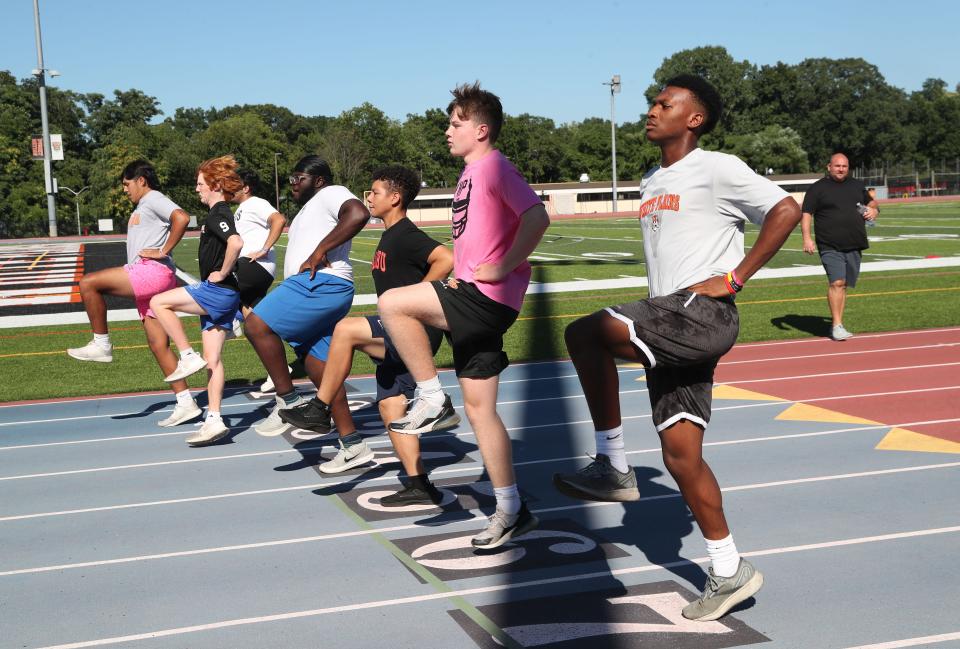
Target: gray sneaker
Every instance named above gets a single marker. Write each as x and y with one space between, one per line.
347 458
723 593
501 527
273 425
424 417
840 332
598 481
212 430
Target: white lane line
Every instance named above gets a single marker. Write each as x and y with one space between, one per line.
470 468
824 341
513 585
911 642
832 354
475 515
847 373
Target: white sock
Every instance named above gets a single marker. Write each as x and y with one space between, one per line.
431 391
102 339
187 352
610 443
508 499
184 398
213 414
724 556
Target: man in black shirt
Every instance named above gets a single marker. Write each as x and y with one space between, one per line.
839 207
405 255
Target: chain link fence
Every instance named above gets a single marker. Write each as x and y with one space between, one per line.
907 180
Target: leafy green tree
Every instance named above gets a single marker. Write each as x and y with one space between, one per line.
127 108
774 147
934 115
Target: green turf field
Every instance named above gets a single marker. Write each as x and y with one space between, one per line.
34 364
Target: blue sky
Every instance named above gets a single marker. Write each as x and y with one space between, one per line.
544 58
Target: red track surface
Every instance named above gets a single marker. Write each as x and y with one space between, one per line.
895 378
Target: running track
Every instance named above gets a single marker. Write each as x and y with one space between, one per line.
117 534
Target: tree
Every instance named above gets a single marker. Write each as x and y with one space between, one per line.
127 108
774 147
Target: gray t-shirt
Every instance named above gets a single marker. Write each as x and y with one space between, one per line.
149 225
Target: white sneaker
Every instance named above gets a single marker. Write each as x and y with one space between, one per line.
186 366
268 385
347 458
235 331
840 332
273 425
92 352
211 431
181 414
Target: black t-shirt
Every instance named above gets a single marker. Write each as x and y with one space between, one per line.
837 225
216 229
401 257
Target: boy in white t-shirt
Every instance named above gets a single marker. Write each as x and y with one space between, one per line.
692 213
260 226
317 290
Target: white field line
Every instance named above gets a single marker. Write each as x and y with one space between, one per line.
847 373
606 574
477 515
851 353
822 341
458 469
549 287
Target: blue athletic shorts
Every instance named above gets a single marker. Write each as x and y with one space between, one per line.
220 304
303 312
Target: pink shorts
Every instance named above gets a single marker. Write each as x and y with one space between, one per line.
148 278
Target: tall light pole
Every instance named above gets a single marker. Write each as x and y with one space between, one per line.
76 200
276 178
614 84
47 167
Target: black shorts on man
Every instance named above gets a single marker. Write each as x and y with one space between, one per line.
392 375
476 326
254 281
681 337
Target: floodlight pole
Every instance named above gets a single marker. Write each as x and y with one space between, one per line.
614 84
47 166
276 178
76 200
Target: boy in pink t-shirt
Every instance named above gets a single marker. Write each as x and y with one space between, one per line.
497 223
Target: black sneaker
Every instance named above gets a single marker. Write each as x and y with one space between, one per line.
411 495
314 415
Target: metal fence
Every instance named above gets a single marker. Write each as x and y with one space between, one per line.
906 180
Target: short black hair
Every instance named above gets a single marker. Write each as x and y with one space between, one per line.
482 106
315 166
400 179
705 94
141 169
249 178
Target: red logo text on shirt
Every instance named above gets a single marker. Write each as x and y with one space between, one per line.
380 261
662 202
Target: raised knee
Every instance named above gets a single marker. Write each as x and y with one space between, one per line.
579 334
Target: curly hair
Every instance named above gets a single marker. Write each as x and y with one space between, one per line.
400 179
221 175
705 94
481 106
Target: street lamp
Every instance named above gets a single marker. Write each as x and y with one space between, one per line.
614 84
276 178
76 200
47 165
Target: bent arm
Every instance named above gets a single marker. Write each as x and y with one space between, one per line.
533 223
351 219
441 263
777 226
179 220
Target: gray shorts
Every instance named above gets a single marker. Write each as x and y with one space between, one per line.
841 264
682 337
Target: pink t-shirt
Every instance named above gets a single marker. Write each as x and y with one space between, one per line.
491 195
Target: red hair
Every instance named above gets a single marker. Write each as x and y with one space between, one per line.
221 175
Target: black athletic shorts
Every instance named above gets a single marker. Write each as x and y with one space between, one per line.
254 281
477 324
393 378
682 337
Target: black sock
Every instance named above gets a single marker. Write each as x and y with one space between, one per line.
420 482
352 439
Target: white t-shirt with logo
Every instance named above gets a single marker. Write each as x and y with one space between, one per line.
253 225
692 215
312 223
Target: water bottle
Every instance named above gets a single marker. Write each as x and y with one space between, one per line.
862 210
